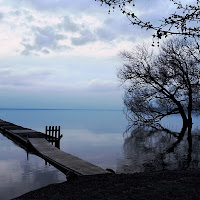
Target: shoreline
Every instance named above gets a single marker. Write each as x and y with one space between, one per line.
167 185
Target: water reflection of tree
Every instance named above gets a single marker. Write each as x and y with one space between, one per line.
157 148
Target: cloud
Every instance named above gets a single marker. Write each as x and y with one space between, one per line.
19 77
16 13
70 31
1 16
68 25
86 36
26 52
21 17
45 39
45 51
119 29
106 34
66 4
99 85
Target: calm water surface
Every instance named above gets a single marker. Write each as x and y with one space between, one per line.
95 136
167 148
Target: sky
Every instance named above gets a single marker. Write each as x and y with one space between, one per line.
65 54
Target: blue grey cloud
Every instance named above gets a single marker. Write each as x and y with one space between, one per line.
22 13
121 30
69 25
106 34
67 4
45 51
9 76
86 36
45 39
1 16
111 29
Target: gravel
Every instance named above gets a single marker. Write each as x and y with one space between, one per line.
165 185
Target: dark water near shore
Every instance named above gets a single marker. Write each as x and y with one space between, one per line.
95 136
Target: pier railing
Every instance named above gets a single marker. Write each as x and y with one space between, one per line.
52 135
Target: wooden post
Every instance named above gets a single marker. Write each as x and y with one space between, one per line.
59 133
56 133
49 133
52 134
46 132
57 143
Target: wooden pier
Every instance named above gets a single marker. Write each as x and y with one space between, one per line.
37 141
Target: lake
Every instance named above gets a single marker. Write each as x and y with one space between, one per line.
96 136
93 135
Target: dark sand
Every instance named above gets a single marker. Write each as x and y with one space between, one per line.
179 185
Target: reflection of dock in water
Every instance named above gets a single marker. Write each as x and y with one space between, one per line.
37 142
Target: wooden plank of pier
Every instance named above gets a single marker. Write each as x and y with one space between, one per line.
64 160
60 159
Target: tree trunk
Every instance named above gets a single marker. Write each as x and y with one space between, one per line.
180 138
182 112
189 138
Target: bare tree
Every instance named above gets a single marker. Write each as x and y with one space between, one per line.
163 84
184 21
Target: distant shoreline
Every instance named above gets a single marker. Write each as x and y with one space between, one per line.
78 109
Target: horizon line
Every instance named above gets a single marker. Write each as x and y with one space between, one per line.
100 109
